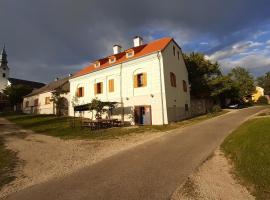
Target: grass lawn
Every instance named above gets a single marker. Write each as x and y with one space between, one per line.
249 149
8 162
60 126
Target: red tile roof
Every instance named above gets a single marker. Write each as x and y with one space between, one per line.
139 51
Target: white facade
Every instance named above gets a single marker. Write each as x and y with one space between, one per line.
4 74
37 104
167 104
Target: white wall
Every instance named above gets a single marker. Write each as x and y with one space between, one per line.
42 108
167 103
176 98
3 80
131 96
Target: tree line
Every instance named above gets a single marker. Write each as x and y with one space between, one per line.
208 81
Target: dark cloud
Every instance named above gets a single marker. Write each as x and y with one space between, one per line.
48 38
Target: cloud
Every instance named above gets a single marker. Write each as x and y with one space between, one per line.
235 49
47 37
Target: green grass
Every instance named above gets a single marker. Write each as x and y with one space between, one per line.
249 149
8 161
60 126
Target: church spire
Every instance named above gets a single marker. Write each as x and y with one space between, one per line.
3 57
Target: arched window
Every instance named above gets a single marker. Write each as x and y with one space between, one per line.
173 79
184 86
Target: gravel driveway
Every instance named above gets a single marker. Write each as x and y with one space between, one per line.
152 170
44 157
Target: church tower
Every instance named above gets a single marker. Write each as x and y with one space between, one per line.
4 70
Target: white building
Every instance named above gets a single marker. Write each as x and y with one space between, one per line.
150 82
5 79
40 101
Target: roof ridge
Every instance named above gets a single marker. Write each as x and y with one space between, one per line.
145 49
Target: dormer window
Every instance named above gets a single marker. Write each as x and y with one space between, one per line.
129 53
97 64
112 59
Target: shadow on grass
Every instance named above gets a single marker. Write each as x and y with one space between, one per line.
8 163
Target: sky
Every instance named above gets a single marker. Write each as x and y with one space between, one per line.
49 39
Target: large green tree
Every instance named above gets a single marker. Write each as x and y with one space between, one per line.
242 80
201 73
15 93
264 82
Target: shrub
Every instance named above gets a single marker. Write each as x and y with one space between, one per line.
215 109
262 100
249 103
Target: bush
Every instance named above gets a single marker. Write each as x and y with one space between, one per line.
249 103
215 109
262 100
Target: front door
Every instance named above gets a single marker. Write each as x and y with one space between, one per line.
142 115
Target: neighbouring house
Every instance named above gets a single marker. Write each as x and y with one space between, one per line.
5 81
40 100
149 82
259 92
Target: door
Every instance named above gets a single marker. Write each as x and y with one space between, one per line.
142 115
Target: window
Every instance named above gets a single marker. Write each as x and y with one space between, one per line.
97 64
186 107
130 53
173 79
174 50
80 92
47 100
178 55
98 88
36 102
140 80
184 86
111 85
112 59
27 104
4 75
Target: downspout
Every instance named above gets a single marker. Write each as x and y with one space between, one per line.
121 94
161 88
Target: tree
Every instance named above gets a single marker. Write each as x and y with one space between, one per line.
98 107
58 100
244 81
15 94
224 88
201 73
264 82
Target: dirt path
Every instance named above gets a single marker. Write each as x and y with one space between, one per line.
45 157
213 180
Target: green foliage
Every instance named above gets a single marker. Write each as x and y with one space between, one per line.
216 109
100 107
264 82
16 93
207 80
262 100
244 81
201 72
58 100
249 148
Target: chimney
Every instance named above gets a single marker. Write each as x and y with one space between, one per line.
138 41
116 49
